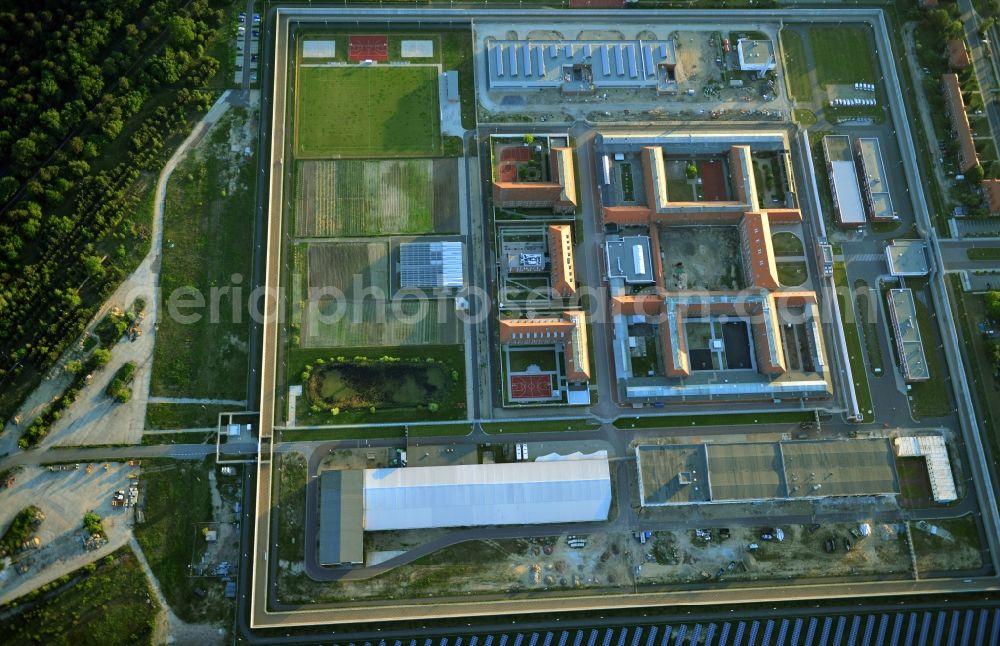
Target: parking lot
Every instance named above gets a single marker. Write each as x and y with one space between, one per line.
63 496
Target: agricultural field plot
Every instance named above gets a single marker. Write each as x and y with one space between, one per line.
367 112
367 198
348 303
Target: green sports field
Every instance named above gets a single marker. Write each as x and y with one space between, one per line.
367 112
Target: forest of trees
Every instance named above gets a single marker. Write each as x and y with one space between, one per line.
89 93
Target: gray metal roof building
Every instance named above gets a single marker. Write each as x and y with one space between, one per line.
907 258
873 179
629 258
431 264
341 514
903 312
580 65
751 471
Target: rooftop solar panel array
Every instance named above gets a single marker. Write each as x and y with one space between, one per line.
931 628
523 64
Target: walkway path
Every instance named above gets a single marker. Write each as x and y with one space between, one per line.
196 401
94 418
176 631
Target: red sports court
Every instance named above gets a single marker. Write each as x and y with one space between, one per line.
510 156
368 48
713 180
530 386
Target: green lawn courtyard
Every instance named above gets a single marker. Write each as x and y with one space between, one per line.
367 112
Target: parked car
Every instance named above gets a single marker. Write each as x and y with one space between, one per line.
847 545
753 546
242 17
829 546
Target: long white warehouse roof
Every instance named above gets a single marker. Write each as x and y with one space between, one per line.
519 493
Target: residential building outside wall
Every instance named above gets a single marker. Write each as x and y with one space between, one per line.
967 156
561 257
871 170
569 330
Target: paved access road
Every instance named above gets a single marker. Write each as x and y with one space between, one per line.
955 254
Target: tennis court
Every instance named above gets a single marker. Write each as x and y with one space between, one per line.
713 180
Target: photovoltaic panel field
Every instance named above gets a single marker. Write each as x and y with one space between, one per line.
364 111
348 198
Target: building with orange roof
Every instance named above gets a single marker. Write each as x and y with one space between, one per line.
567 330
763 342
967 156
991 191
958 54
562 270
557 192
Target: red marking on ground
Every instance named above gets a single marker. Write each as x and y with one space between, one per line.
713 180
507 172
530 386
516 154
368 48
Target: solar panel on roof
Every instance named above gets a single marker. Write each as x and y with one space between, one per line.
526 57
586 51
534 639
852 638
498 60
563 638
512 59
633 69
996 627
709 634
579 638
619 62
593 637
679 637
925 627
782 631
667 631
553 52
568 50
695 635
724 634
983 620
518 639
540 63
663 50
605 65
607 636
967 628
953 630
869 627
622 636
652 635
796 629
939 628
811 631
883 626
768 628
825 635
635 636
647 60
839 633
